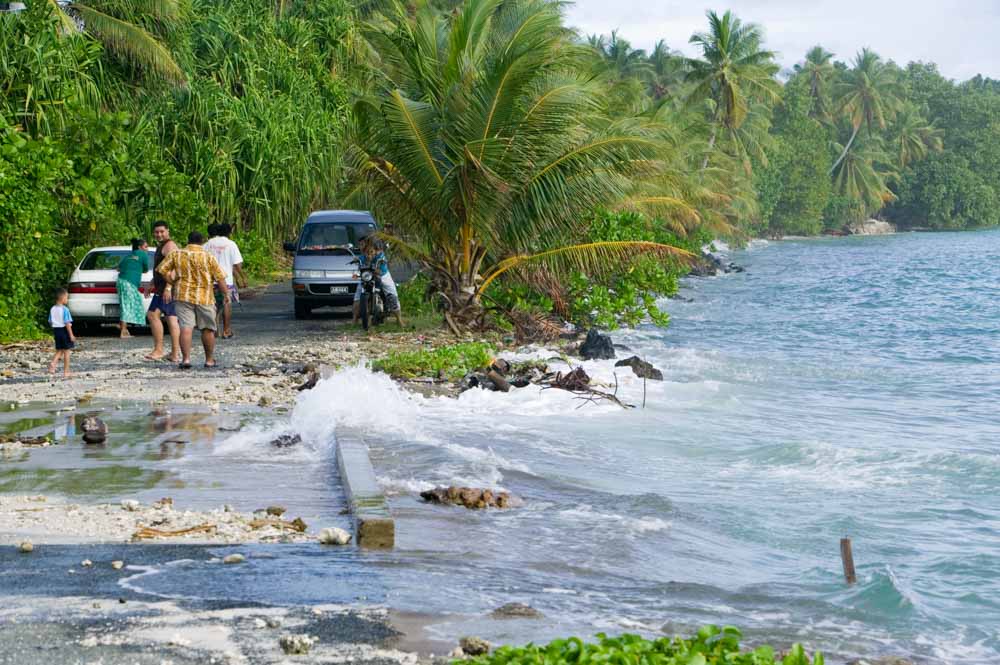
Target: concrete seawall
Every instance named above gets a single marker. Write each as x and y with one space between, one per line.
373 523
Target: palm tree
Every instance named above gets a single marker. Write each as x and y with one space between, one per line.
818 69
114 24
915 136
861 176
734 71
484 148
866 96
620 58
668 70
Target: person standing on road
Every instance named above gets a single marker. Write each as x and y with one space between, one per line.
62 330
227 253
190 273
131 308
158 307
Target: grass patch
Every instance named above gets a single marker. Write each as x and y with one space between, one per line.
711 646
446 362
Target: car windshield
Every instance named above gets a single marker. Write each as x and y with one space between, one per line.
107 259
332 238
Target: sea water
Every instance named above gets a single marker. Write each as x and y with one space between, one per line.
838 387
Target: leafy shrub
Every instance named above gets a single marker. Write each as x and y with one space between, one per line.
31 245
711 646
413 296
627 296
449 362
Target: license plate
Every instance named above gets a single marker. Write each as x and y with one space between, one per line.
111 311
338 289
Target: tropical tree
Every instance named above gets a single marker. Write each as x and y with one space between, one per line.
862 176
733 72
119 26
867 95
667 71
485 148
915 137
619 57
818 70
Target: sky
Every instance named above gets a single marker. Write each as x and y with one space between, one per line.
961 36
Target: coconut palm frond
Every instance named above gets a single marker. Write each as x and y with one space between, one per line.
131 41
594 258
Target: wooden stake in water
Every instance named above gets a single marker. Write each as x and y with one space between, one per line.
847 558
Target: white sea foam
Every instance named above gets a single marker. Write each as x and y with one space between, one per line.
632 525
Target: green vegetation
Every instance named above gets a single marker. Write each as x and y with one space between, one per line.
445 362
711 646
92 151
486 148
526 166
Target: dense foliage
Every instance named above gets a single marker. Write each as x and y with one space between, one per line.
485 147
713 645
96 146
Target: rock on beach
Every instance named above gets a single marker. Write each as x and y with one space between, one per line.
597 346
296 645
641 368
334 536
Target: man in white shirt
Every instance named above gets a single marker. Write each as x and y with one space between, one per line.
227 253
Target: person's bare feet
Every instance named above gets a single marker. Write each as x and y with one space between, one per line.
124 335
153 356
68 375
52 370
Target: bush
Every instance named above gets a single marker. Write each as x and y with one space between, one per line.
711 646
413 296
626 297
447 362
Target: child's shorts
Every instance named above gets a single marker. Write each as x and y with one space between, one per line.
63 342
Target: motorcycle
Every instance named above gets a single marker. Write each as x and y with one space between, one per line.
372 303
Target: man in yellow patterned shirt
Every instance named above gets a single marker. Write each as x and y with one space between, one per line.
190 273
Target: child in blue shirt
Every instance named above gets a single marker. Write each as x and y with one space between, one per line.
62 330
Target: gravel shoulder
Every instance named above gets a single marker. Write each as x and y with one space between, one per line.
262 364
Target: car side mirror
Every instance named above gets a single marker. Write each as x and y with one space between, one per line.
289 246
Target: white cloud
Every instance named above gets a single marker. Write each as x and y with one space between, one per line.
963 38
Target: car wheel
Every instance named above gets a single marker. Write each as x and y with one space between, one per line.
302 311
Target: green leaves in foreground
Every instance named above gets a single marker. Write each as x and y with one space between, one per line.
711 646
448 362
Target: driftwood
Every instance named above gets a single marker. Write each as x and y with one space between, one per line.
578 382
149 532
26 441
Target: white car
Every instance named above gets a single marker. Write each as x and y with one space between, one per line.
93 297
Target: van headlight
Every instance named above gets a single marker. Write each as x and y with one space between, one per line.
308 274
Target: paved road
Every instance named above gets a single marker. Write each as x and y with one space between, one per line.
262 318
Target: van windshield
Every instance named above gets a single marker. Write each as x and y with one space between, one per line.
332 238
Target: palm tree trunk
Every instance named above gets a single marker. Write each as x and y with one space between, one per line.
711 145
846 149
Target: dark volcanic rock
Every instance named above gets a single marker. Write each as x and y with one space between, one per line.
641 368
286 440
94 429
597 346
